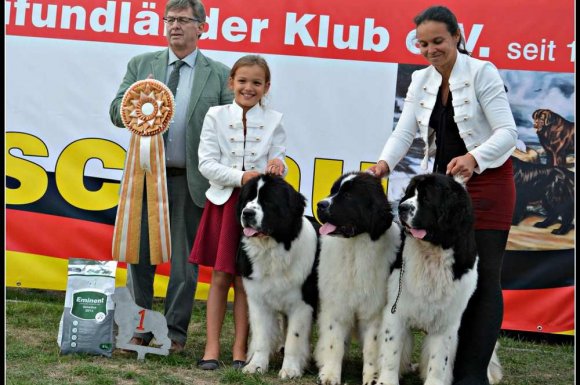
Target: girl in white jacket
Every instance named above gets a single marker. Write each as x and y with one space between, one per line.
238 142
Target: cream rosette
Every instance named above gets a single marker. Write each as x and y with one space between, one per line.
146 110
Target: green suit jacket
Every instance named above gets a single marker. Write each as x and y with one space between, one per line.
210 88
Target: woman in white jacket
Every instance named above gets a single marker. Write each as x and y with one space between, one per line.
459 107
238 142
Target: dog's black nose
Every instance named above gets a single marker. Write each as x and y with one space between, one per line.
248 213
404 209
323 205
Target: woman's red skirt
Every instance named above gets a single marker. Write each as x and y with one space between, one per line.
218 236
493 194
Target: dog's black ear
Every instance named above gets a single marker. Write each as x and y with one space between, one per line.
456 214
296 201
412 186
245 192
382 213
551 118
545 118
381 221
299 199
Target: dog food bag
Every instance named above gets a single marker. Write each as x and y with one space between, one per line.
86 325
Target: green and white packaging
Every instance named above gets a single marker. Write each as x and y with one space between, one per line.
86 325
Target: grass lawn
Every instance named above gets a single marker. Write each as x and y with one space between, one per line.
32 355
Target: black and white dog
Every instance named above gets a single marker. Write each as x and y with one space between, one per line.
433 278
278 268
359 242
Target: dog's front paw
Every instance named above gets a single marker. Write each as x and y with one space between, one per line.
387 380
328 377
434 381
370 377
255 366
289 371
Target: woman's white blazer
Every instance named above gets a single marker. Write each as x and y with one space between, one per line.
481 111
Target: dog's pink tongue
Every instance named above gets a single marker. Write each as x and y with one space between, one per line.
248 231
327 228
418 233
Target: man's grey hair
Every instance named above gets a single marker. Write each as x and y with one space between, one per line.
196 5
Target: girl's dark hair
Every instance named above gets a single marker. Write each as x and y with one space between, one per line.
442 14
250 60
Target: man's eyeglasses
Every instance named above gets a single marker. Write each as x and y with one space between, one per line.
180 20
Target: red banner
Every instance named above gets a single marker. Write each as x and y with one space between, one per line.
534 35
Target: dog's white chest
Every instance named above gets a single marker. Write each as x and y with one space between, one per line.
428 271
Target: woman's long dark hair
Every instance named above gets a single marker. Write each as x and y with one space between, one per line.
443 15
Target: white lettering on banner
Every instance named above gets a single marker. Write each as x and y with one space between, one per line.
532 51
148 21
352 37
21 7
50 20
105 14
323 31
125 14
364 38
100 19
572 47
297 28
410 41
257 26
471 39
369 37
212 21
234 29
80 16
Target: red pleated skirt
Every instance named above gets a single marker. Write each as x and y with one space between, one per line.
493 194
218 236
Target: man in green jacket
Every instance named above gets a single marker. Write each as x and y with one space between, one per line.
202 83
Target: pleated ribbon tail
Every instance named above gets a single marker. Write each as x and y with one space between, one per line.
144 168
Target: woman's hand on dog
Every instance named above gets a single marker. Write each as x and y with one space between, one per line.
380 169
462 165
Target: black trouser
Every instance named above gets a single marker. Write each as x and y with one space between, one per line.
482 319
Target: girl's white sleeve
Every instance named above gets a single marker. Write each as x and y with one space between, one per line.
278 145
210 155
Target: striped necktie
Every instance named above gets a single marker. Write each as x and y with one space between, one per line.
174 77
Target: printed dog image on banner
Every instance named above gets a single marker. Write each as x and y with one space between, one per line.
552 187
556 135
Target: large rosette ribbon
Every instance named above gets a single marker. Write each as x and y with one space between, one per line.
146 110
